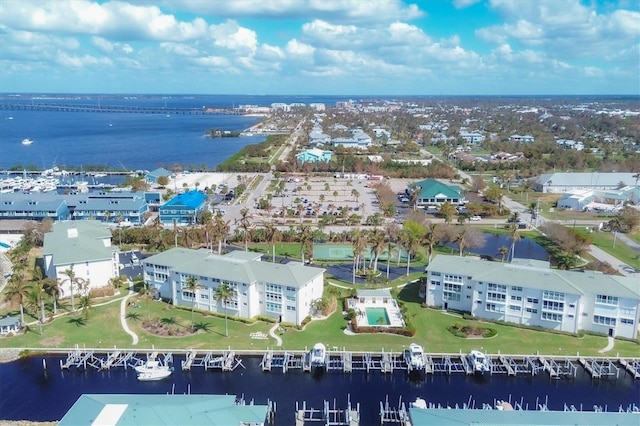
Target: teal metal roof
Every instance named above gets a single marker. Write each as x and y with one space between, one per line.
130 410
429 188
443 416
78 241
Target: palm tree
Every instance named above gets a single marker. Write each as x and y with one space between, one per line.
306 241
85 305
414 196
359 241
272 235
461 238
220 231
40 283
73 281
503 252
447 210
52 289
245 225
377 239
191 284
17 290
514 233
431 238
224 293
410 240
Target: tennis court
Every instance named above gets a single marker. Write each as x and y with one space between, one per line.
337 252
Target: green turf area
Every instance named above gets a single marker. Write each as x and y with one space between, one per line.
103 329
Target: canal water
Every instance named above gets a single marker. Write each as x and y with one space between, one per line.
27 391
524 249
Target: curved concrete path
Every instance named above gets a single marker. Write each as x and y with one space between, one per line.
273 334
610 342
123 317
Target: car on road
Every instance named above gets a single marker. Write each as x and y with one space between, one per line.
475 218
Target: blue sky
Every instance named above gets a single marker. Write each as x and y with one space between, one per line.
357 47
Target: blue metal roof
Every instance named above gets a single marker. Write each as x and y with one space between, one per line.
191 199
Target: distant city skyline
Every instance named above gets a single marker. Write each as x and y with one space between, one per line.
321 47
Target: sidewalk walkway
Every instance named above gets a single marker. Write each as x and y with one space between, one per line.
273 334
610 343
123 316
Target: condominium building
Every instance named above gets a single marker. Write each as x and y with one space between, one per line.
530 292
284 292
83 246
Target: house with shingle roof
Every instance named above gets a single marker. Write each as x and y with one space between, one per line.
282 291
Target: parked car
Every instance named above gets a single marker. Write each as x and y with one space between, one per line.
475 218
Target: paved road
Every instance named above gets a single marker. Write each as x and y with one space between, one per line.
596 252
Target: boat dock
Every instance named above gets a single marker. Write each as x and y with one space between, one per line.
632 366
329 415
600 368
337 360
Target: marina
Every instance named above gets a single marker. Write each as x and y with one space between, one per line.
326 396
341 360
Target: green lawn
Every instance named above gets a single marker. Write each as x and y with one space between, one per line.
604 241
103 329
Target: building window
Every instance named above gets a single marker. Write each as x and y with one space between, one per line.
204 296
452 288
602 320
550 316
516 298
496 287
515 308
552 306
453 278
626 321
435 274
516 288
531 310
496 297
492 307
188 295
627 311
454 297
606 300
532 300
553 295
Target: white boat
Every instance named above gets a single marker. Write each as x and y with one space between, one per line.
419 403
153 370
150 366
479 362
155 375
27 141
414 357
318 355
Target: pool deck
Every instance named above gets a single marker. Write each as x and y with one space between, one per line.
393 312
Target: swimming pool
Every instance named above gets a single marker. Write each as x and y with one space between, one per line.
4 245
377 316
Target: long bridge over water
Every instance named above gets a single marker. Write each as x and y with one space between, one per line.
123 109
